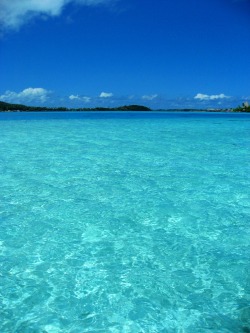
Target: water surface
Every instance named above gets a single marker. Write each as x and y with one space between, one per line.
124 222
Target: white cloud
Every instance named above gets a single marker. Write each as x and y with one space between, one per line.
72 97
14 13
204 97
106 95
26 96
85 99
149 97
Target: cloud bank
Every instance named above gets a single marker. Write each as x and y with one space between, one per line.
204 97
149 97
26 96
74 97
85 99
15 13
106 95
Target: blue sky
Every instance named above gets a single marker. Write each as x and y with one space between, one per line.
163 54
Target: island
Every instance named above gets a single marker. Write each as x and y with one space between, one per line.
245 107
6 107
9 107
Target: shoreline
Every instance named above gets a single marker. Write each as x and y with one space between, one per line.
12 107
101 111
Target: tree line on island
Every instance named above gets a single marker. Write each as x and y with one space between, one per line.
20 107
245 107
5 107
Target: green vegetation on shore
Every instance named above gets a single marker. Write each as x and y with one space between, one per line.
5 107
244 108
19 107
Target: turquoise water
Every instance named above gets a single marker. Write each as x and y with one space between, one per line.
133 222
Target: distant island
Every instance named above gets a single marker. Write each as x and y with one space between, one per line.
7 107
245 107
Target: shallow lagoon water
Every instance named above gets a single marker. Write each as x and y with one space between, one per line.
124 222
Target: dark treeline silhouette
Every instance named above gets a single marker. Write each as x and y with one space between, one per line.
20 107
5 107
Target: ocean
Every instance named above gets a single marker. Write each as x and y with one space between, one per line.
124 222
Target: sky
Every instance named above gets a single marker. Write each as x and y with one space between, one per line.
157 53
